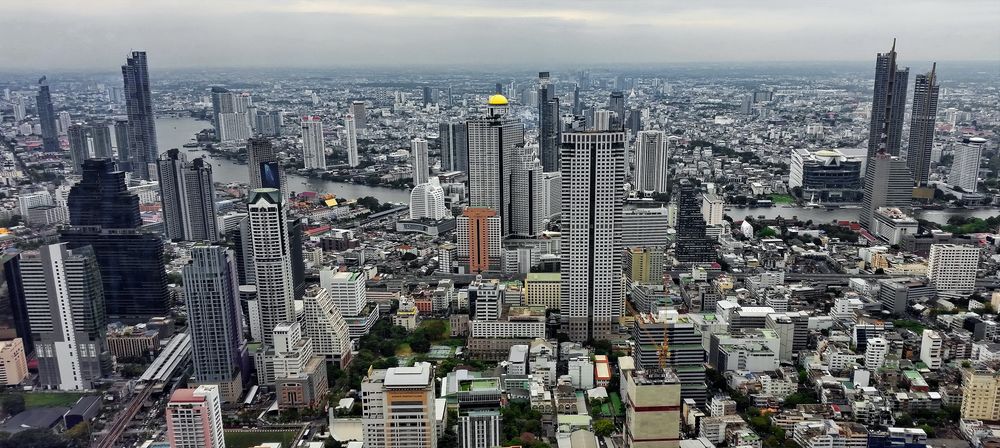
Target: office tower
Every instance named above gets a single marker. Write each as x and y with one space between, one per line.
652 407
685 350
478 235
479 428
951 268
297 260
427 201
616 104
351 139
549 129
577 103
64 300
187 194
269 241
13 363
964 172
888 105
552 193
14 322
47 117
419 161
397 410
139 106
194 418
427 95
88 141
692 246
299 376
925 102
215 321
360 115
593 192
526 209
262 159
313 146
931 345
888 183
121 141
651 172
494 139
347 290
454 141
325 325
603 119
634 122
105 215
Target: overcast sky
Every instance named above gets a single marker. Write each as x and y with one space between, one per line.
97 34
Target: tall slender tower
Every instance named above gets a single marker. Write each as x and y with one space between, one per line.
313 146
888 105
888 183
692 244
454 141
925 102
651 172
141 123
526 210
616 104
271 251
262 159
64 300
493 142
47 117
211 294
360 114
593 193
351 137
187 193
549 128
421 168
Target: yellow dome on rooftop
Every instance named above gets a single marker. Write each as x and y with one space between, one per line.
497 100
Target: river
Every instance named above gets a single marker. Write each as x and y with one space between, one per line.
175 132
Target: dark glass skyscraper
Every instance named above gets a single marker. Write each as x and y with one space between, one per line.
14 321
888 104
549 130
454 141
105 216
47 117
616 104
692 244
925 102
139 106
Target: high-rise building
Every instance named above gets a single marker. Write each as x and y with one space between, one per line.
651 173
231 115
194 418
397 407
479 428
269 239
931 346
13 363
551 194
419 160
925 102
888 183
712 209
494 140
326 326
47 117
827 175
187 193
215 321
263 158
233 127
888 105
549 128
652 407
20 109
634 122
139 106
269 123
88 141
685 352
616 104
313 146
577 103
951 268
454 141
103 214
63 121
964 172
64 299
981 394
427 201
291 365
692 246
478 237
347 290
351 139
526 210
875 353
121 142
593 190
296 258
360 114
14 321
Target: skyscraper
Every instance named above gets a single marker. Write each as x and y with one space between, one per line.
616 104
231 115
64 300
577 102
494 139
351 139
313 146
187 193
964 172
215 322
418 158
269 238
925 101
14 321
427 201
121 144
47 117
651 172
888 104
141 123
88 141
398 409
478 235
105 215
593 193
549 128
454 142
888 183
325 325
194 418
527 206
261 152
692 245
360 114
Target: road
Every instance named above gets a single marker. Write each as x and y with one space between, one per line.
126 415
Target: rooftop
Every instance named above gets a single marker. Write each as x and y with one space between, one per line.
418 375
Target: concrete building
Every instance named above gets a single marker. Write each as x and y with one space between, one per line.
351 139
187 194
419 161
194 418
13 364
888 183
398 407
892 225
271 252
326 326
712 209
826 175
652 407
651 157
313 144
952 269
981 394
543 289
931 354
478 237
494 139
427 201
965 166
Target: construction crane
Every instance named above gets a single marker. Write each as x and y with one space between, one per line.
664 350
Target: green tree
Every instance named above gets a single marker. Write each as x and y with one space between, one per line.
604 428
13 404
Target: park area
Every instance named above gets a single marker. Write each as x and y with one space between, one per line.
249 438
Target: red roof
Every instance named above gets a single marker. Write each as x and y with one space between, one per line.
185 396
